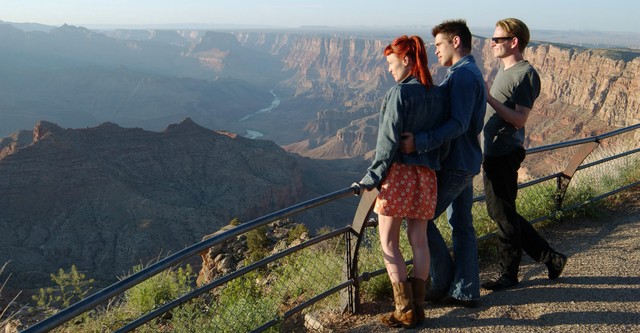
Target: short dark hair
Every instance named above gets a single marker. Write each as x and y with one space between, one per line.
453 28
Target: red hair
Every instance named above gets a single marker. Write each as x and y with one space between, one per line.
413 48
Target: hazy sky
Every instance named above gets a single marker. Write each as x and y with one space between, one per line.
600 15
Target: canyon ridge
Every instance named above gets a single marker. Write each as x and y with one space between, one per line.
119 146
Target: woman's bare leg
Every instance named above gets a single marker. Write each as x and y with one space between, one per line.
417 234
389 229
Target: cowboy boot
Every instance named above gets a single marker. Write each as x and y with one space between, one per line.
418 287
403 315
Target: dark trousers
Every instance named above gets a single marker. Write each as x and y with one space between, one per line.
514 232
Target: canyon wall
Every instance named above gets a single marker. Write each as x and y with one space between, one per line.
108 198
602 82
593 90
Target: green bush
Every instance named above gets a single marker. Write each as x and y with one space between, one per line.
69 288
257 243
159 289
140 299
296 232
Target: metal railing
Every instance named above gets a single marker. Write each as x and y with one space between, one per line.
348 241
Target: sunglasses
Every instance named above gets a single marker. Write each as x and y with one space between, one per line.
500 39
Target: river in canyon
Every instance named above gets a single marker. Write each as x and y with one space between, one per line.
251 134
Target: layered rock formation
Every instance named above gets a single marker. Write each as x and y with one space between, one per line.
602 82
108 198
590 91
585 92
326 82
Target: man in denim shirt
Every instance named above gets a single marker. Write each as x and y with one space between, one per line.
455 280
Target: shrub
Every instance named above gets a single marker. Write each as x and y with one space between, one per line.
159 289
296 232
70 288
257 243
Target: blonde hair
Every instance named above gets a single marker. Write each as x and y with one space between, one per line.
516 28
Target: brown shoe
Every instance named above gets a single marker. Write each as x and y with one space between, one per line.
403 315
418 289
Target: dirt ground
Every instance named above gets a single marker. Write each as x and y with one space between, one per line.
599 290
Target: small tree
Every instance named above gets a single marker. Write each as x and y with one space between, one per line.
257 243
296 232
70 288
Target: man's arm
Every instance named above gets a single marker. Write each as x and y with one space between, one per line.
523 97
407 143
464 91
516 117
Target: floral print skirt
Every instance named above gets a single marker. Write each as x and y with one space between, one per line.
408 191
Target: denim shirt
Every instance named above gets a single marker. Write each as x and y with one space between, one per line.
407 107
468 102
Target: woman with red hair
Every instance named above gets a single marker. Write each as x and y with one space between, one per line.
407 182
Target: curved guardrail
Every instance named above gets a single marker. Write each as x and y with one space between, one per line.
354 235
132 280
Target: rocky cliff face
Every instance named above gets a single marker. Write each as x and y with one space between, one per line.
589 91
316 61
104 197
108 198
326 83
602 82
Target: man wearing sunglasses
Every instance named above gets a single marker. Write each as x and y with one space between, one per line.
510 99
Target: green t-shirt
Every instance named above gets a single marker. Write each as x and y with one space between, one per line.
519 84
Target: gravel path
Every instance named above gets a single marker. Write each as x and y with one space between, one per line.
599 290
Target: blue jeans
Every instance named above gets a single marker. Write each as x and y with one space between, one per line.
460 275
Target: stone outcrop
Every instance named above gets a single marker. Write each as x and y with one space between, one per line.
108 198
602 82
356 139
233 254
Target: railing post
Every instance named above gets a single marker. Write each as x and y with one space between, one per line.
562 182
565 178
350 297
